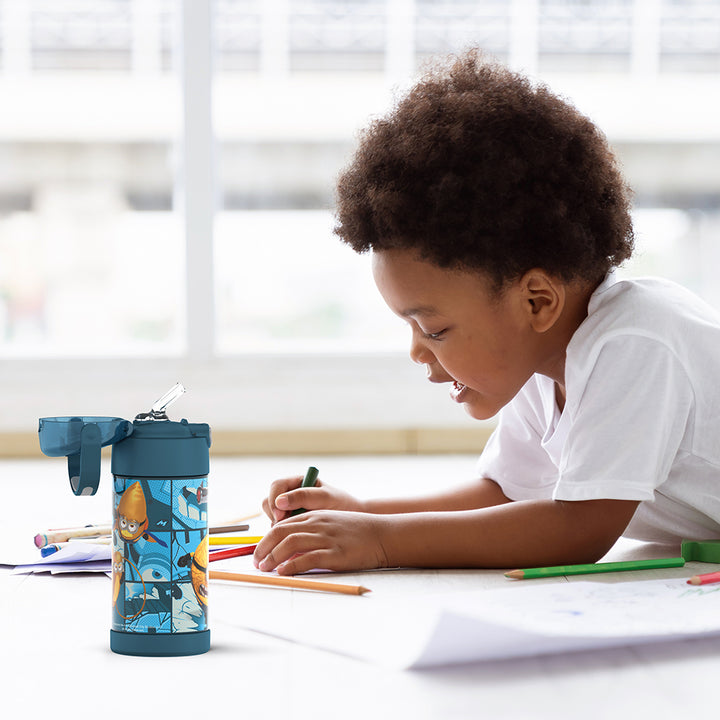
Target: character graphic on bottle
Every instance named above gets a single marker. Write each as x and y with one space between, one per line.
199 573
118 570
198 562
131 521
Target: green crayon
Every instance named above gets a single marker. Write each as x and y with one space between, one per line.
308 481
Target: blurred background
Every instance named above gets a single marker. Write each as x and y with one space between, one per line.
167 171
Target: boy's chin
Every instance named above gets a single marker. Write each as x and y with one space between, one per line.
480 412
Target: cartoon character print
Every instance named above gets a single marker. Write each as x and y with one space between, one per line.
131 520
146 582
199 572
118 570
198 562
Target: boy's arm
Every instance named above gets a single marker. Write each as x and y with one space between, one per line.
286 495
518 534
480 493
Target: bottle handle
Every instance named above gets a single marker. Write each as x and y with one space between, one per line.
84 466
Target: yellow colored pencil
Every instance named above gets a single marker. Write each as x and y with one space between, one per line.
289 582
235 540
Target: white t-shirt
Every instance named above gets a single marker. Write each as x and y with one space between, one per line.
641 419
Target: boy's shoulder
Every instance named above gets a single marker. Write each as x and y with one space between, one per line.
642 315
649 306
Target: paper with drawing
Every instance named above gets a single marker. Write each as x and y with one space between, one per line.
404 631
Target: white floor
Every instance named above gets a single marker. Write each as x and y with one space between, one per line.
54 629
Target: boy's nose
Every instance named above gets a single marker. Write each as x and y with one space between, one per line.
419 351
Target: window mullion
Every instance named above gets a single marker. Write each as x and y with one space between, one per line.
196 183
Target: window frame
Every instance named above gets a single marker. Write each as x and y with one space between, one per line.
339 390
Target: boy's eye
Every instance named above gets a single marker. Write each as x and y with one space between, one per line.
435 335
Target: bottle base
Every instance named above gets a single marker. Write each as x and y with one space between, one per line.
160 645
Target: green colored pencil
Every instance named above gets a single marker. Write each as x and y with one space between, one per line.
308 481
531 573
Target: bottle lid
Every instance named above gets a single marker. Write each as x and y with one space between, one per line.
164 449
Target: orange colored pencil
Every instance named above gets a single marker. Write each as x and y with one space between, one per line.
289 582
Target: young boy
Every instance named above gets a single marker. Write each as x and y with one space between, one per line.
495 213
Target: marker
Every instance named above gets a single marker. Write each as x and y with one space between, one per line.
104 540
60 536
235 540
308 481
704 579
49 550
595 568
231 552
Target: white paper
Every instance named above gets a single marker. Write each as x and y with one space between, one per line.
81 557
482 625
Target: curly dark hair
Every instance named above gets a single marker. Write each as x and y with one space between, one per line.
478 169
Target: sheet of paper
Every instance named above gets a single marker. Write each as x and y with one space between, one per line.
86 557
92 566
522 620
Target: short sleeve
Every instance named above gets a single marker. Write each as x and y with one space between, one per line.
513 456
628 424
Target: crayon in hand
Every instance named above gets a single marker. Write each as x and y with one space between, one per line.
308 481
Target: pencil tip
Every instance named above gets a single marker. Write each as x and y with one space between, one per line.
362 590
515 574
695 580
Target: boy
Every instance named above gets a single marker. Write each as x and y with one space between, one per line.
495 213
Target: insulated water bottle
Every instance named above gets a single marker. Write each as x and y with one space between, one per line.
159 522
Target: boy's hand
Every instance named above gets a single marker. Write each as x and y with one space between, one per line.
324 540
286 495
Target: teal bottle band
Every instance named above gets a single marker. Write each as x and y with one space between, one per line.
84 467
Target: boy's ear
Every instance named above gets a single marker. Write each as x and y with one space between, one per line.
543 298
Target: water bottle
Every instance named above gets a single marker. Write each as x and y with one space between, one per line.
159 522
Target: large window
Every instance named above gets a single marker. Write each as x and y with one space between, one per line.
166 188
92 258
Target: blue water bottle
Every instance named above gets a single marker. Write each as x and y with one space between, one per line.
159 523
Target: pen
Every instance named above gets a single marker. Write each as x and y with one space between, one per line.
704 579
231 552
235 540
595 568
308 481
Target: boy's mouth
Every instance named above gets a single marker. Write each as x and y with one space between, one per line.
458 391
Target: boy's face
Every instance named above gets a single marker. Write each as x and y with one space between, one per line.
463 333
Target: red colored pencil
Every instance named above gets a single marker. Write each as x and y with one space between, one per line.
232 552
712 577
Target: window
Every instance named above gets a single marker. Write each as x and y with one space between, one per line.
91 246
166 189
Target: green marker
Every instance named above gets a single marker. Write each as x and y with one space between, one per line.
595 568
308 481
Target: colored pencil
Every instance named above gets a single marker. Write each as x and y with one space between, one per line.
704 579
308 481
289 582
231 552
595 568
243 518
228 528
235 540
